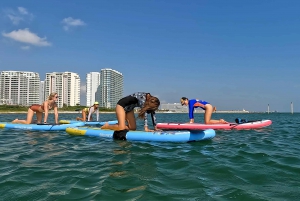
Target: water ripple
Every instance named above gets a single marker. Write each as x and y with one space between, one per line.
243 165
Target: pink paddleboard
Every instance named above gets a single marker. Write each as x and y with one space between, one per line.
229 126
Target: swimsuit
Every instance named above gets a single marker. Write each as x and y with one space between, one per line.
195 103
136 100
89 111
86 110
36 107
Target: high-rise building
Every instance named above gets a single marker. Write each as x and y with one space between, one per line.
42 92
66 85
110 90
19 87
92 83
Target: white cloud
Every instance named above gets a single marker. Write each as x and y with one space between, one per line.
15 19
16 16
70 22
25 36
25 47
23 11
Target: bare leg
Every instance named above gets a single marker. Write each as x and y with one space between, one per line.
207 116
122 117
39 116
83 116
130 118
28 120
214 109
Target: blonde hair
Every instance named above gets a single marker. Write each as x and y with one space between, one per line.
50 97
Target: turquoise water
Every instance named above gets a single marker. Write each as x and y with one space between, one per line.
261 164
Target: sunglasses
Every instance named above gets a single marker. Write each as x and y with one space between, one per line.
55 96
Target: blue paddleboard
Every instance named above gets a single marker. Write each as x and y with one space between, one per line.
158 136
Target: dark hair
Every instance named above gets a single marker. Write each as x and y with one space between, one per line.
151 104
184 98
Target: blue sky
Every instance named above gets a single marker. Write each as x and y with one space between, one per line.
234 54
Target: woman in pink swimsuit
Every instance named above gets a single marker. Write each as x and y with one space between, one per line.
40 109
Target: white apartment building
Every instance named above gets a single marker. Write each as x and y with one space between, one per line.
92 84
42 92
66 85
19 88
110 90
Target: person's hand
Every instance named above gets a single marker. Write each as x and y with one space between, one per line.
222 121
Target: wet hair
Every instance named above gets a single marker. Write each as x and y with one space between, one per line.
182 100
151 104
50 97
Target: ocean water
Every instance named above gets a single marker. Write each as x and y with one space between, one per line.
262 164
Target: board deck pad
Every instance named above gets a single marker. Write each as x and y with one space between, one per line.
229 126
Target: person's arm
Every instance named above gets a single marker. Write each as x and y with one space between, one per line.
46 110
146 123
91 111
55 114
153 116
191 111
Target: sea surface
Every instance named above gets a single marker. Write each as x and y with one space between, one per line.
262 164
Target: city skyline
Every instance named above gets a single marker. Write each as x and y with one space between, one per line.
27 88
236 55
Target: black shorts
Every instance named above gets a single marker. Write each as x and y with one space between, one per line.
120 135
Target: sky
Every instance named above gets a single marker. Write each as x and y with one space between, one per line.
234 54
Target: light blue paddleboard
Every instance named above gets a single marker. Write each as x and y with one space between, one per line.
158 136
39 127
89 123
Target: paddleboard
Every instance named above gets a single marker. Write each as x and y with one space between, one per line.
229 126
39 127
88 123
158 136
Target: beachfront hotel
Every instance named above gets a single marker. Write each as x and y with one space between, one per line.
110 90
92 84
66 85
19 88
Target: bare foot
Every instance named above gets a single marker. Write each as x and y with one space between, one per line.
214 109
77 118
105 126
222 121
14 121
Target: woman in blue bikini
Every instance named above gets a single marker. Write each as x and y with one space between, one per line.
209 109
